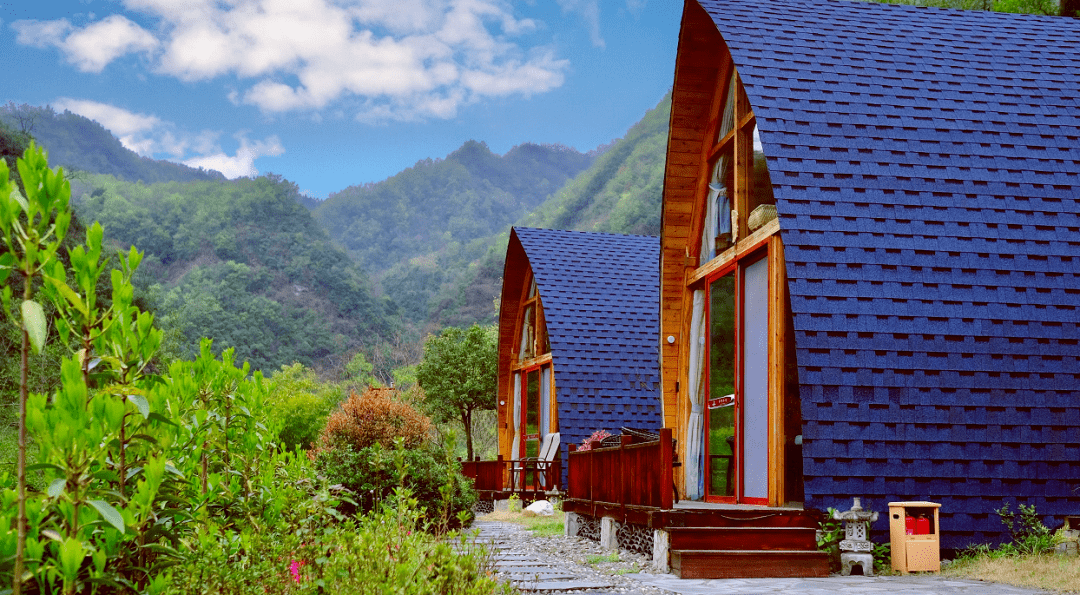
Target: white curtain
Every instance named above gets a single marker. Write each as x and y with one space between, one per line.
695 429
708 230
515 418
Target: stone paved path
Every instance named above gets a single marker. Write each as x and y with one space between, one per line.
833 585
532 572
540 573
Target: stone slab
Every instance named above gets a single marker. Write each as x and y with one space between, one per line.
531 569
537 576
522 563
559 585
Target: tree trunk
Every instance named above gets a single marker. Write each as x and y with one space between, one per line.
20 475
466 420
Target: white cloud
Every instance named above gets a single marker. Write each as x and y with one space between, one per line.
589 10
243 162
41 34
410 58
135 131
150 136
117 119
90 48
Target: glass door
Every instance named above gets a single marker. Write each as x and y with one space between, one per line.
535 415
737 421
720 425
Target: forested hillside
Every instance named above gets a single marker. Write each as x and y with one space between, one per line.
78 143
246 263
241 262
619 193
419 230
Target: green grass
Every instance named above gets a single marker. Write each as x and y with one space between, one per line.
597 559
1048 571
548 526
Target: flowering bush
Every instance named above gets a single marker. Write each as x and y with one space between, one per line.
594 440
373 418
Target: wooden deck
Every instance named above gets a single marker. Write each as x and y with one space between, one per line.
502 478
632 483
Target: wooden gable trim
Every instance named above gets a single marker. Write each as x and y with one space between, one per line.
697 70
704 71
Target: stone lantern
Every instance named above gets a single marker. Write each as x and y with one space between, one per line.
856 549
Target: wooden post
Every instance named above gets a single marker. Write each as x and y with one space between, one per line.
571 476
624 472
501 481
666 477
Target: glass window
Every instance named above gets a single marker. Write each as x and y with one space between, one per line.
716 233
755 379
532 413
721 402
528 333
762 203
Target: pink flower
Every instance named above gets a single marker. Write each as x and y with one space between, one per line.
593 440
294 570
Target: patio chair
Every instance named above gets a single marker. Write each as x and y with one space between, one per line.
541 464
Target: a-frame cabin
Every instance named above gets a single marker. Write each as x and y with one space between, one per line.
578 321
871 259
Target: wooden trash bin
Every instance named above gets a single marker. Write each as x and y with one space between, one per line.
915 536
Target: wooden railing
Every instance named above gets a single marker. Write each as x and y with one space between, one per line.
625 475
503 477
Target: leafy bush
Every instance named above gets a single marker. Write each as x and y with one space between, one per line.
299 404
374 418
1029 534
384 552
374 473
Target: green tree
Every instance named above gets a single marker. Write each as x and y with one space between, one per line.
299 403
33 224
459 374
360 371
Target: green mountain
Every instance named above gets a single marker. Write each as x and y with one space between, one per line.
619 193
417 231
250 262
79 143
241 262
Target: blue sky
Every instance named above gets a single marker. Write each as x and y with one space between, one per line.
331 93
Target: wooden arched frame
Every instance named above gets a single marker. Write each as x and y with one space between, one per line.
532 353
737 144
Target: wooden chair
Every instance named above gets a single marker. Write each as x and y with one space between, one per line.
541 465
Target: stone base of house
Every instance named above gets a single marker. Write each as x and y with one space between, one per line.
614 536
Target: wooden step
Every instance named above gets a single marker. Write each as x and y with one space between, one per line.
749 563
755 517
742 538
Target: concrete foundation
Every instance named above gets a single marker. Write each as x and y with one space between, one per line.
661 544
571 524
609 534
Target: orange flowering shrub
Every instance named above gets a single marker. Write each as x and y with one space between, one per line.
373 418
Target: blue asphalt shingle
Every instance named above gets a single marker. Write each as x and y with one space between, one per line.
601 298
940 244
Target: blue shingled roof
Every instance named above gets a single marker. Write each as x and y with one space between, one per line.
926 165
601 298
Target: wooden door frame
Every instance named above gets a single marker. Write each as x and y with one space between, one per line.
770 248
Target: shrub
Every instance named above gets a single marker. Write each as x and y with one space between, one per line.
1029 534
384 552
374 473
373 418
299 405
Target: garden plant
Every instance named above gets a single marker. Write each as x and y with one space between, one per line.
166 478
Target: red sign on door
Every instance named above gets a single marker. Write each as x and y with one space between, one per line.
720 402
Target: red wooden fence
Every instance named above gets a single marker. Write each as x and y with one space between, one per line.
502 477
625 475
